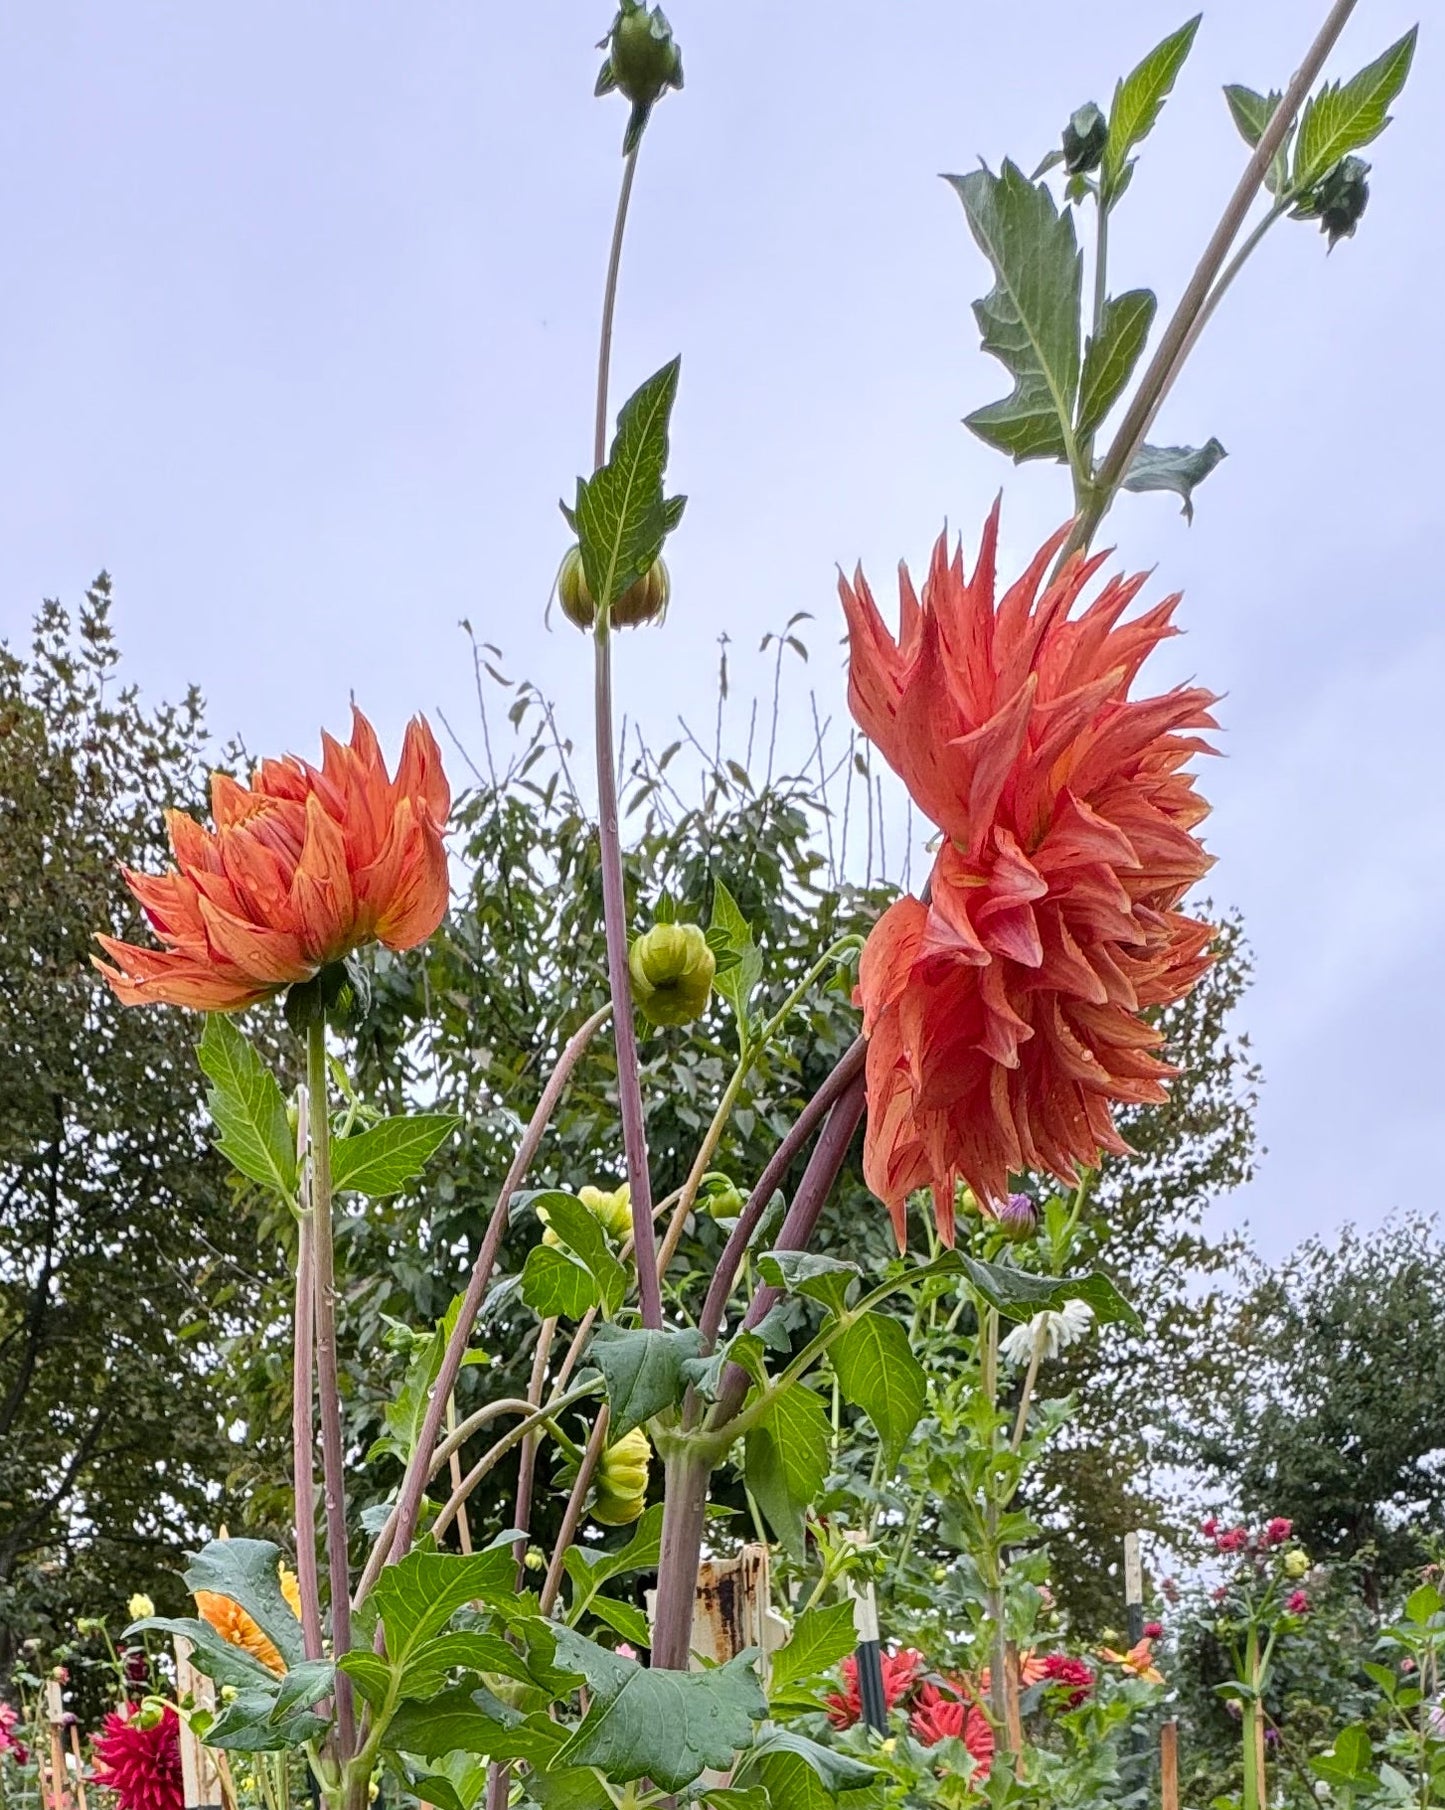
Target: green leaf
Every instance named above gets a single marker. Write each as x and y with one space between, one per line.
428 1668
1251 113
584 1237
643 1371
785 1458
625 1619
1019 1296
1030 318
669 1726
1176 468
213 1656
417 1597
734 1797
1109 360
740 963
1423 1604
246 1723
824 1279
1387 1679
590 1568
461 1720
369 1672
245 1102
1349 1761
302 1686
554 1282
1340 119
456 1786
878 1373
248 1572
1138 99
386 1158
405 1414
835 1771
622 518
820 1638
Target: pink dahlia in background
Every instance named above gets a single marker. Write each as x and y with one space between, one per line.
1006 1016
1297 1603
936 1716
1075 1676
139 1759
901 1671
9 1742
1278 1531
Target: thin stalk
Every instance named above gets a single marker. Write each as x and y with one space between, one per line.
572 1515
527 1459
464 1530
1031 1376
1253 1783
614 893
993 1575
333 1471
535 1421
413 1486
303 1430
1164 366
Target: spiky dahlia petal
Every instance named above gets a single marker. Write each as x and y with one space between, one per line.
1003 1012
140 1760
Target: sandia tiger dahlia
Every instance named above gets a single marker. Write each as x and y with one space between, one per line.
138 1754
1006 1011
305 865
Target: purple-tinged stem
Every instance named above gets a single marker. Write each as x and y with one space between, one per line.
413 1487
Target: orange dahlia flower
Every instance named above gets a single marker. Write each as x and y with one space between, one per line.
1005 1013
233 1624
304 865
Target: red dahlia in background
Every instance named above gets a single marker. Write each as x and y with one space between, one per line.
937 1716
1005 1015
901 1671
140 1759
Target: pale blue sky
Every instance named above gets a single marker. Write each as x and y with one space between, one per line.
299 326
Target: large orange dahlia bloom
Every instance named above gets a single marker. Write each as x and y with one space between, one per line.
304 865
1005 1012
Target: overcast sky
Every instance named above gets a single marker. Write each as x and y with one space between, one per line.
299 325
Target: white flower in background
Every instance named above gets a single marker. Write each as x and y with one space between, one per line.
1054 1330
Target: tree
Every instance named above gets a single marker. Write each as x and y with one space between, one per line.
1333 1406
114 1393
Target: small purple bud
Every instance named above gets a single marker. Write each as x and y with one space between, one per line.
1017 1218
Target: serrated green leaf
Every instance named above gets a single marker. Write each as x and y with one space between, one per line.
245 1724
738 1797
416 1597
249 1573
746 1349
669 1726
1176 468
1423 1604
428 1667
621 516
369 1672
214 1657
878 1373
625 1619
825 1279
555 1283
590 1568
820 1638
384 1159
1019 1296
835 1771
1110 358
785 1461
460 1720
735 978
584 1237
457 1785
1030 318
1251 113
1138 99
1342 118
642 1369
245 1102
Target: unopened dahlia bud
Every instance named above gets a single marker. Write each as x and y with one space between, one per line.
644 601
1017 1218
720 1197
1296 1562
141 1607
672 972
1085 137
613 1212
622 1480
1340 199
643 62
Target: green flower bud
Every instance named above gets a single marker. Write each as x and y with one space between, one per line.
1085 137
644 601
643 62
672 972
1296 1562
720 1197
1340 198
613 1212
622 1480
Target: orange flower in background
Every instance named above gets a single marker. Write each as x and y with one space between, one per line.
1005 1013
233 1624
304 865
1139 1660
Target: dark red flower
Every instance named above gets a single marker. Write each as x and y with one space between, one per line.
1209 1528
1234 1541
901 1671
140 1760
1278 1531
1153 1630
1064 1672
1298 1603
937 1716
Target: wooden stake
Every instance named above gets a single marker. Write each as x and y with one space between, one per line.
1169 1766
1133 1588
200 1775
55 1716
79 1767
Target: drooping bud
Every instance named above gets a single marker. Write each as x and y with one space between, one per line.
672 972
644 601
720 1197
613 1212
1017 1218
643 62
1340 198
1085 137
622 1480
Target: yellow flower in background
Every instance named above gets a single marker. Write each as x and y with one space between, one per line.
238 1628
1139 1660
1296 1562
141 1607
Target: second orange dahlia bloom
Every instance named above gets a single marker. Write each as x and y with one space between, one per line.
1006 1014
305 864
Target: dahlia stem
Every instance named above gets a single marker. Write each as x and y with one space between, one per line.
614 892
1178 336
303 1430
418 1472
333 1475
685 1485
